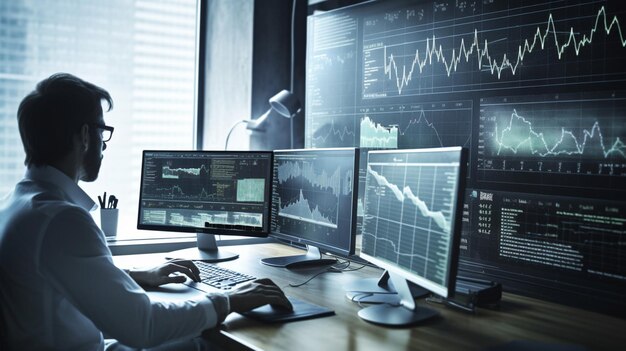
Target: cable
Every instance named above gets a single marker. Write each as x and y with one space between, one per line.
332 269
293 28
358 297
354 269
231 131
359 261
291 73
326 270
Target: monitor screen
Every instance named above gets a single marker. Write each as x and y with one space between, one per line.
314 197
411 224
215 192
536 90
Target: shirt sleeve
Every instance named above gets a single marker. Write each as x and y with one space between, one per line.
75 260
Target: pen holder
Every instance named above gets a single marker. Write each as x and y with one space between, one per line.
108 221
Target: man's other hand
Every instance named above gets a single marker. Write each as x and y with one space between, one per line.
174 271
257 293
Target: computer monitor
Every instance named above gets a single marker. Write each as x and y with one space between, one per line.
314 203
412 225
208 193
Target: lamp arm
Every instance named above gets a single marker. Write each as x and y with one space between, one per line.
231 131
257 124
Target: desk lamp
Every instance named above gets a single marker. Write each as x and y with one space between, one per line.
285 103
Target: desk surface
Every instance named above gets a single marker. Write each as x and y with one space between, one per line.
519 318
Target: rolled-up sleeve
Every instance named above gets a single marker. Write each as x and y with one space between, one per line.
76 261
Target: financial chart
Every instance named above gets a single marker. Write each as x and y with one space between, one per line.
313 194
299 177
535 90
409 213
556 137
193 189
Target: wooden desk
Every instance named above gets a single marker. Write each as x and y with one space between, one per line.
519 318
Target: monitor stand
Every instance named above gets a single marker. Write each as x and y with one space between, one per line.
313 256
403 314
379 290
206 250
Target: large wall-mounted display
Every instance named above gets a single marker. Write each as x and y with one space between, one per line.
535 90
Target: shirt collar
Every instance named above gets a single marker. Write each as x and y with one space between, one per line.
53 176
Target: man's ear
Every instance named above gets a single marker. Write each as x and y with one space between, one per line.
84 138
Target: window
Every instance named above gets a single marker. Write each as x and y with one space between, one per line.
142 51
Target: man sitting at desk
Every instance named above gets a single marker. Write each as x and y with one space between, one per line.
59 288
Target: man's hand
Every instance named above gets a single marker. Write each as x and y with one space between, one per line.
257 293
160 275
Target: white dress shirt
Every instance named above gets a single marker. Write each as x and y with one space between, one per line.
59 288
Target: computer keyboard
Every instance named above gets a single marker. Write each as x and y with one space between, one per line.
219 277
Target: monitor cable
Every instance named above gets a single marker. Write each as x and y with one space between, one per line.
338 268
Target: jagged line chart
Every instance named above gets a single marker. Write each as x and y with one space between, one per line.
337 136
290 170
559 136
309 193
406 194
410 227
418 126
421 119
376 135
301 210
434 53
177 192
542 148
175 173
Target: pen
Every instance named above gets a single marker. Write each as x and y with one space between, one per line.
102 200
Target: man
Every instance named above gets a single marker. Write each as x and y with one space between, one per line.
59 288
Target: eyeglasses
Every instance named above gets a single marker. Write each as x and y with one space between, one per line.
107 131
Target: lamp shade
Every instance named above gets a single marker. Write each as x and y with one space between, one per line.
285 103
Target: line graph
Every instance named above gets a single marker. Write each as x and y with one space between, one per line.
189 218
422 119
309 189
408 207
193 192
376 135
407 194
400 65
566 134
406 126
315 177
302 210
183 172
331 135
437 125
176 192
313 192
537 144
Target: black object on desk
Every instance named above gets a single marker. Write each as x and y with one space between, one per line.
301 310
472 293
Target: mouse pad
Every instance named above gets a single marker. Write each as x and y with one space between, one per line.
301 310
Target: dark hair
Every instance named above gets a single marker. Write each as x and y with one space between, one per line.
49 117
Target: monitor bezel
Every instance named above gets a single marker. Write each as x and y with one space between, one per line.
263 233
345 252
455 241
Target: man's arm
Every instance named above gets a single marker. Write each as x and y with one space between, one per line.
74 259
